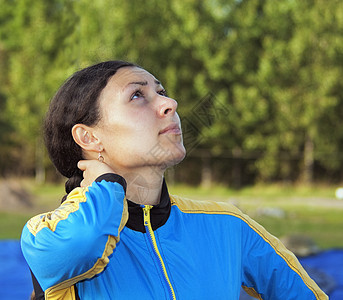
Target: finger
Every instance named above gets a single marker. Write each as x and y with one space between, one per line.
82 165
83 183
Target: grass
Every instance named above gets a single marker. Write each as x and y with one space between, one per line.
45 198
11 224
268 192
311 211
324 226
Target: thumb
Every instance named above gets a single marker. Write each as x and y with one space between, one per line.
82 165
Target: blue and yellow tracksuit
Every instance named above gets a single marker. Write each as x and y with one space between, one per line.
98 245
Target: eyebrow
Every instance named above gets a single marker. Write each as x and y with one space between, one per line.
144 82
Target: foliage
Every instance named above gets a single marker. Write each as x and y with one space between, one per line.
275 65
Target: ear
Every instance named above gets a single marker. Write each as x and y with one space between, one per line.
84 136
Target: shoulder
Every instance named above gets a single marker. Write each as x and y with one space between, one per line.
222 209
250 228
206 207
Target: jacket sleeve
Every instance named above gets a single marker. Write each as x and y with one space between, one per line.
74 241
270 271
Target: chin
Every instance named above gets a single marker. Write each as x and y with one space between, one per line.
163 156
177 155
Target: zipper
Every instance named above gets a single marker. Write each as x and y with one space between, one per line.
153 244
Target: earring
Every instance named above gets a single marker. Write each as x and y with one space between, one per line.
100 157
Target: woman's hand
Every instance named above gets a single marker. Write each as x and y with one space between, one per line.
92 169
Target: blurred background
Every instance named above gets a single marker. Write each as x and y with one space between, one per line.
260 92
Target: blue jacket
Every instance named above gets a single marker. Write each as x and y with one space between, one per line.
98 245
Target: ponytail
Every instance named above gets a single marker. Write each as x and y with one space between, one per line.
73 182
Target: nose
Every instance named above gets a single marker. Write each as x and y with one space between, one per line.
167 106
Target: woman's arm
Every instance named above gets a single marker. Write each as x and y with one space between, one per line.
74 241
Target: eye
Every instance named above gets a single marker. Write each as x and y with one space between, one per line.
137 94
163 93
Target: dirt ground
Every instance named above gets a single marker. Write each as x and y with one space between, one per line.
13 196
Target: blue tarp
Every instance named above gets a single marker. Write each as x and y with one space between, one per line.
326 268
15 277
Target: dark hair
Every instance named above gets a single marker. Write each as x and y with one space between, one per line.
75 103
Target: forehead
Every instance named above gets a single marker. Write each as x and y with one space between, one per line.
127 75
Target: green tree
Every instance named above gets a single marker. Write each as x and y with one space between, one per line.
275 66
33 37
300 72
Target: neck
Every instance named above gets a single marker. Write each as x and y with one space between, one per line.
144 187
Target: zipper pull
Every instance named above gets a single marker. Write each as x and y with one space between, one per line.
146 214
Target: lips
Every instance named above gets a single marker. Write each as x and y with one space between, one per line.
171 129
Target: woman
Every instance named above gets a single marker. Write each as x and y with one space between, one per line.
116 238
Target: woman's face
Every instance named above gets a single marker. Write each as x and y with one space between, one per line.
138 126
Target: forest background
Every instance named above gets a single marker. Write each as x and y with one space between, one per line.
259 82
260 92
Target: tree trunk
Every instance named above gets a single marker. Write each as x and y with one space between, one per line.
236 169
308 160
39 162
206 171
